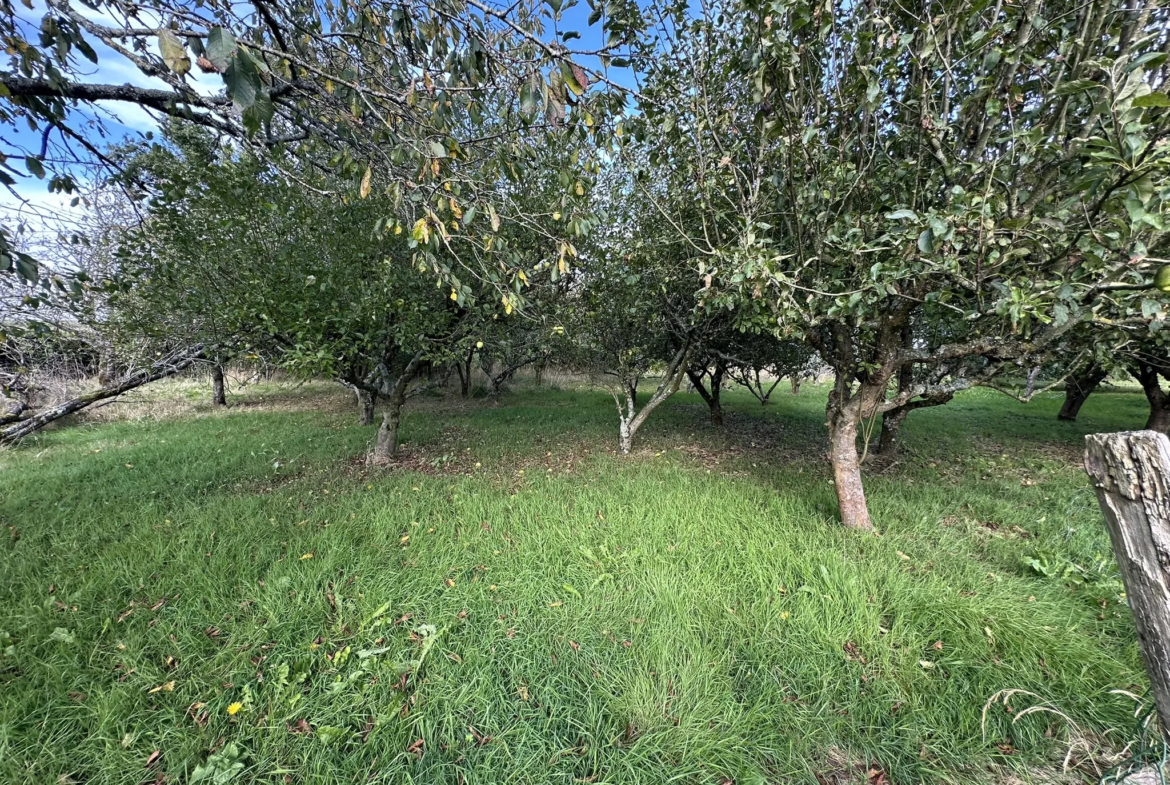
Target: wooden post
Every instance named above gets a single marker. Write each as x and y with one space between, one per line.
1131 473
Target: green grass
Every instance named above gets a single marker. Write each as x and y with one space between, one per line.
690 614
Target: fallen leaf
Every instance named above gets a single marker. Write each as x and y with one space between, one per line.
168 687
154 756
938 645
416 748
574 645
306 556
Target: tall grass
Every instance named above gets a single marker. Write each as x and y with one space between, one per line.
518 604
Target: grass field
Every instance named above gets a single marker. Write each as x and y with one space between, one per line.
235 596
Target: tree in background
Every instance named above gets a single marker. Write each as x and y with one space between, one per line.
861 168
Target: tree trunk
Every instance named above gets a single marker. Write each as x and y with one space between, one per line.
1077 390
1131 474
891 426
631 419
1033 375
847 473
463 368
539 374
366 402
1148 376
625 436
795 385
217 393
156 371
711 396
843 417
386 444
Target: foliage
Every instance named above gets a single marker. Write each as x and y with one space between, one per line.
856 167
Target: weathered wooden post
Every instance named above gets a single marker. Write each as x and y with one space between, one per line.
1131 473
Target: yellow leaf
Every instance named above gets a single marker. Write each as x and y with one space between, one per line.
306 556
365 189
168 687
234 708
421 231
454 295
495 218
556 604
557 215
523 277
580 190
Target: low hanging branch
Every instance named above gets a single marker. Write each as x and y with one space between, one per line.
158 370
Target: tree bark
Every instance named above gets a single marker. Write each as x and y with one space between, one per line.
366 402
1077 390
1148 376
631 419
795 380
891 427
218 398
157 371
1131 474
847 469
386 442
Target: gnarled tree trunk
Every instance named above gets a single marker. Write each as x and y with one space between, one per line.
386 442
218 397
1077 390
366 400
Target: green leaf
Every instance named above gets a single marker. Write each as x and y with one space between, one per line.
174 54
260 112
595 17
898 215
221 767
1152 99
60 634
329 734
242 81
1075 86
34 167
220 45
926 241
27 268
438 150
529 98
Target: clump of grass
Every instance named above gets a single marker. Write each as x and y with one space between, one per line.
235 593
